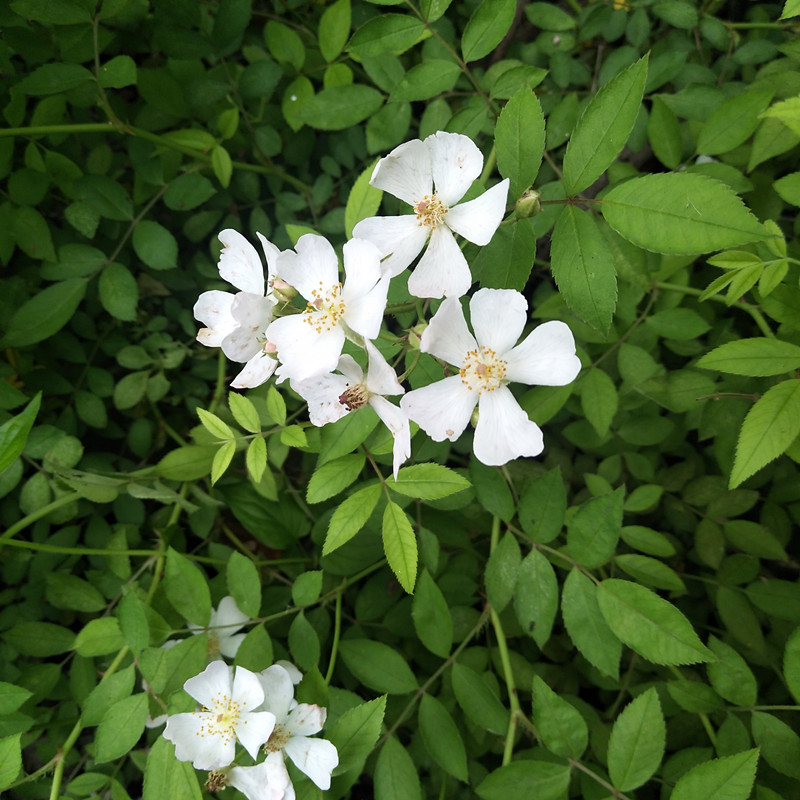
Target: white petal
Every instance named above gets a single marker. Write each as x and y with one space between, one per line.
227 618
192 743
303 352
381 378
271 253
278 691
306 720
442 271
322 395
214 681
546 357
268 780
397 422
256 371
314 265
456 162
239 263
504 431
229 645
254 729
405 172
447 336
400 240
317 758
498 317
362 267
294 673
350 368
214 310
364 312
247 691
252 314
441 409
478 219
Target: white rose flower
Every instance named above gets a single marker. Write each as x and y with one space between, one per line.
432 176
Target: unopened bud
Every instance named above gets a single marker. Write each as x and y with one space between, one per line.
529 204
282 291
415 335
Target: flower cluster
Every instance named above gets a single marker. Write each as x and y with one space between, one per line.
257 326
259 712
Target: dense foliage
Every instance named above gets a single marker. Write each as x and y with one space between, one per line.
616 618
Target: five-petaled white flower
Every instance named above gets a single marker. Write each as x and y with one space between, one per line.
229 701
309 344
294 724
432 176
331 396
268 780
486 363
237 322
222 629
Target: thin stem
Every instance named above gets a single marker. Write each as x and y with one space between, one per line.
616 793
337 630
62 501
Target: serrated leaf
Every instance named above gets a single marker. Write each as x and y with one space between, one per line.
10 759
392 33
732 122
780 745
350 517
584 268
433 622
728 778
222 460
770 426
363 200
604 127
637 741
244 584
117 73
400 545
486 28
519 141
650 625
502 570
121 727
428 481
244 412
119 292
334 29
538 779
222 165
559 724
791 664
378 666
165 776
478 701
333 477
14 432
426 80
599 399
354 734
506 262
214 425
536 597
758 357
187 588
680 213
155 245
396 775
543 506
594 530
441 737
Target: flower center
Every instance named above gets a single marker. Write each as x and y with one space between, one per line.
218 779
354 397
325 308
430 210
277 741
482 370
221 718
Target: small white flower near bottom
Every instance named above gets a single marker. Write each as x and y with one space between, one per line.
268 780
332 396
229 701
487 362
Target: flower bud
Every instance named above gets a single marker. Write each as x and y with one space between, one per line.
282 291
529 204
415 335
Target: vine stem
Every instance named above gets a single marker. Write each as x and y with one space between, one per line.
615 793
14 529
505 660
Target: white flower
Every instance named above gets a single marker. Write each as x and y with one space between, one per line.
237 322
294 723
432 176
309 344
486 363
229 701
268 780
331 396
222 629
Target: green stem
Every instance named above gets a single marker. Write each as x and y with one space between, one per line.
615 793
488 167
65 500
337 630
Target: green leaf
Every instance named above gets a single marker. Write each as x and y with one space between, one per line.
105 196
121 728
155 245
650 625
650 571
99 637
244 584
543 506
502 570
10 759
770 426
350 517
119 292
39 639
222 460
594 530
791 9
188 191
165 776
73 593
214 425
732 122
599 399
362 202
14 432
441 737
536 597
32 234
680 213
779 744
222 165
604 128
400 545
791 664
334 477
728 778
388 33
428 481
45 314
584 268
637 741
340 107
378 666
756 357
345 435
788 187
431 615
306 588
506 262
276 406
284 44
678 323
187 588
133 622
354 734
256 459
334 30
108 692
117 73
426 80
519 141
478 701
54 78
62 12
486 28
395 774
186 463
664 133
244 412
730 676
540 779
304 643
12 697
559 724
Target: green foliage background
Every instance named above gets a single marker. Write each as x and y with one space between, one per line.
618 618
